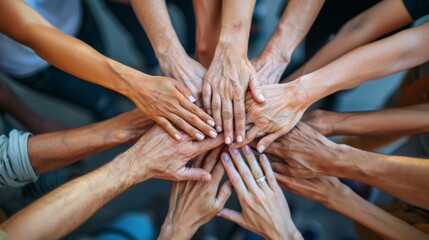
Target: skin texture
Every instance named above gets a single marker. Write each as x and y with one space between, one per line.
308 154
335 195
294 24
362 29
389 55
161 98
371 123
193 204
155 155
264 207
230 73
173 59
52 150
208 24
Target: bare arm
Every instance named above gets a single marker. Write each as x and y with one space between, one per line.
294 24
160 98
362 29
52 150
337 196
395 121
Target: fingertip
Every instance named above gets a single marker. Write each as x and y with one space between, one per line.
261 148
192 99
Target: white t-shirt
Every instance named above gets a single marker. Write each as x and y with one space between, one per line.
20 61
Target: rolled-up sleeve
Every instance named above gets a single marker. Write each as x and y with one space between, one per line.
15 166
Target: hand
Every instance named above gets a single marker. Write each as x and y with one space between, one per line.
308 154
322 121
130 126
283 109
224 88
320 189
264 207
163 99
157 155
185 70
193 204
269 68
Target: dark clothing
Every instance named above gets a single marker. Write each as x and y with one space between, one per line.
417 8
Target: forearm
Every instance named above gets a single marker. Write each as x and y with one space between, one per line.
407 120
52 150
403 177
292 28
235 29
371 216
154 18
398 52
364 28
70 205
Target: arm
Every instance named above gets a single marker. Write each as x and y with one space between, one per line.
230 74
333 194
362 29
309 154
162 99
52 150
71 204
395 121
208 23
293 26
173 59
278 116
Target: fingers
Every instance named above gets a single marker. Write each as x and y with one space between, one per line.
224 193
211 159
255 89
217 173
254 166
271 178
164 123
234 176
207 97
251 134
197 118
200 147
232 216
239 119
227 120
194 174
217 111
244 171
185 91
186 127
266 141
281 168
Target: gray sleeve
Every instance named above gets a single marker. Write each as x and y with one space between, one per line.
15 166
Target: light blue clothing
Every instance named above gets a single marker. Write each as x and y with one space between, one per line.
135 225
20 61
15 166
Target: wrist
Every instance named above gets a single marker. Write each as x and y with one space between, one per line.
123 164
278 49
169 230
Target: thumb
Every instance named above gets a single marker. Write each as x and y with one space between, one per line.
194 174
185 91
255 89
224 193
232 216
266 141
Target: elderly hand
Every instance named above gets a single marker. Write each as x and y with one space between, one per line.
264 207
167 102
161 156
322 121
193 204
130 126
307 153
283 109
269 68
224 88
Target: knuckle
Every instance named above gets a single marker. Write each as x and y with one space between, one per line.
227 114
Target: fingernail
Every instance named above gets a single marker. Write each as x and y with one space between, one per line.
218 128
213 134
260 134
239 138
225 157
264 157
218 215
261 96
247 149
227 140
211 123
209 112
200 136
234 151
261 148
177 136
206 178
192 99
